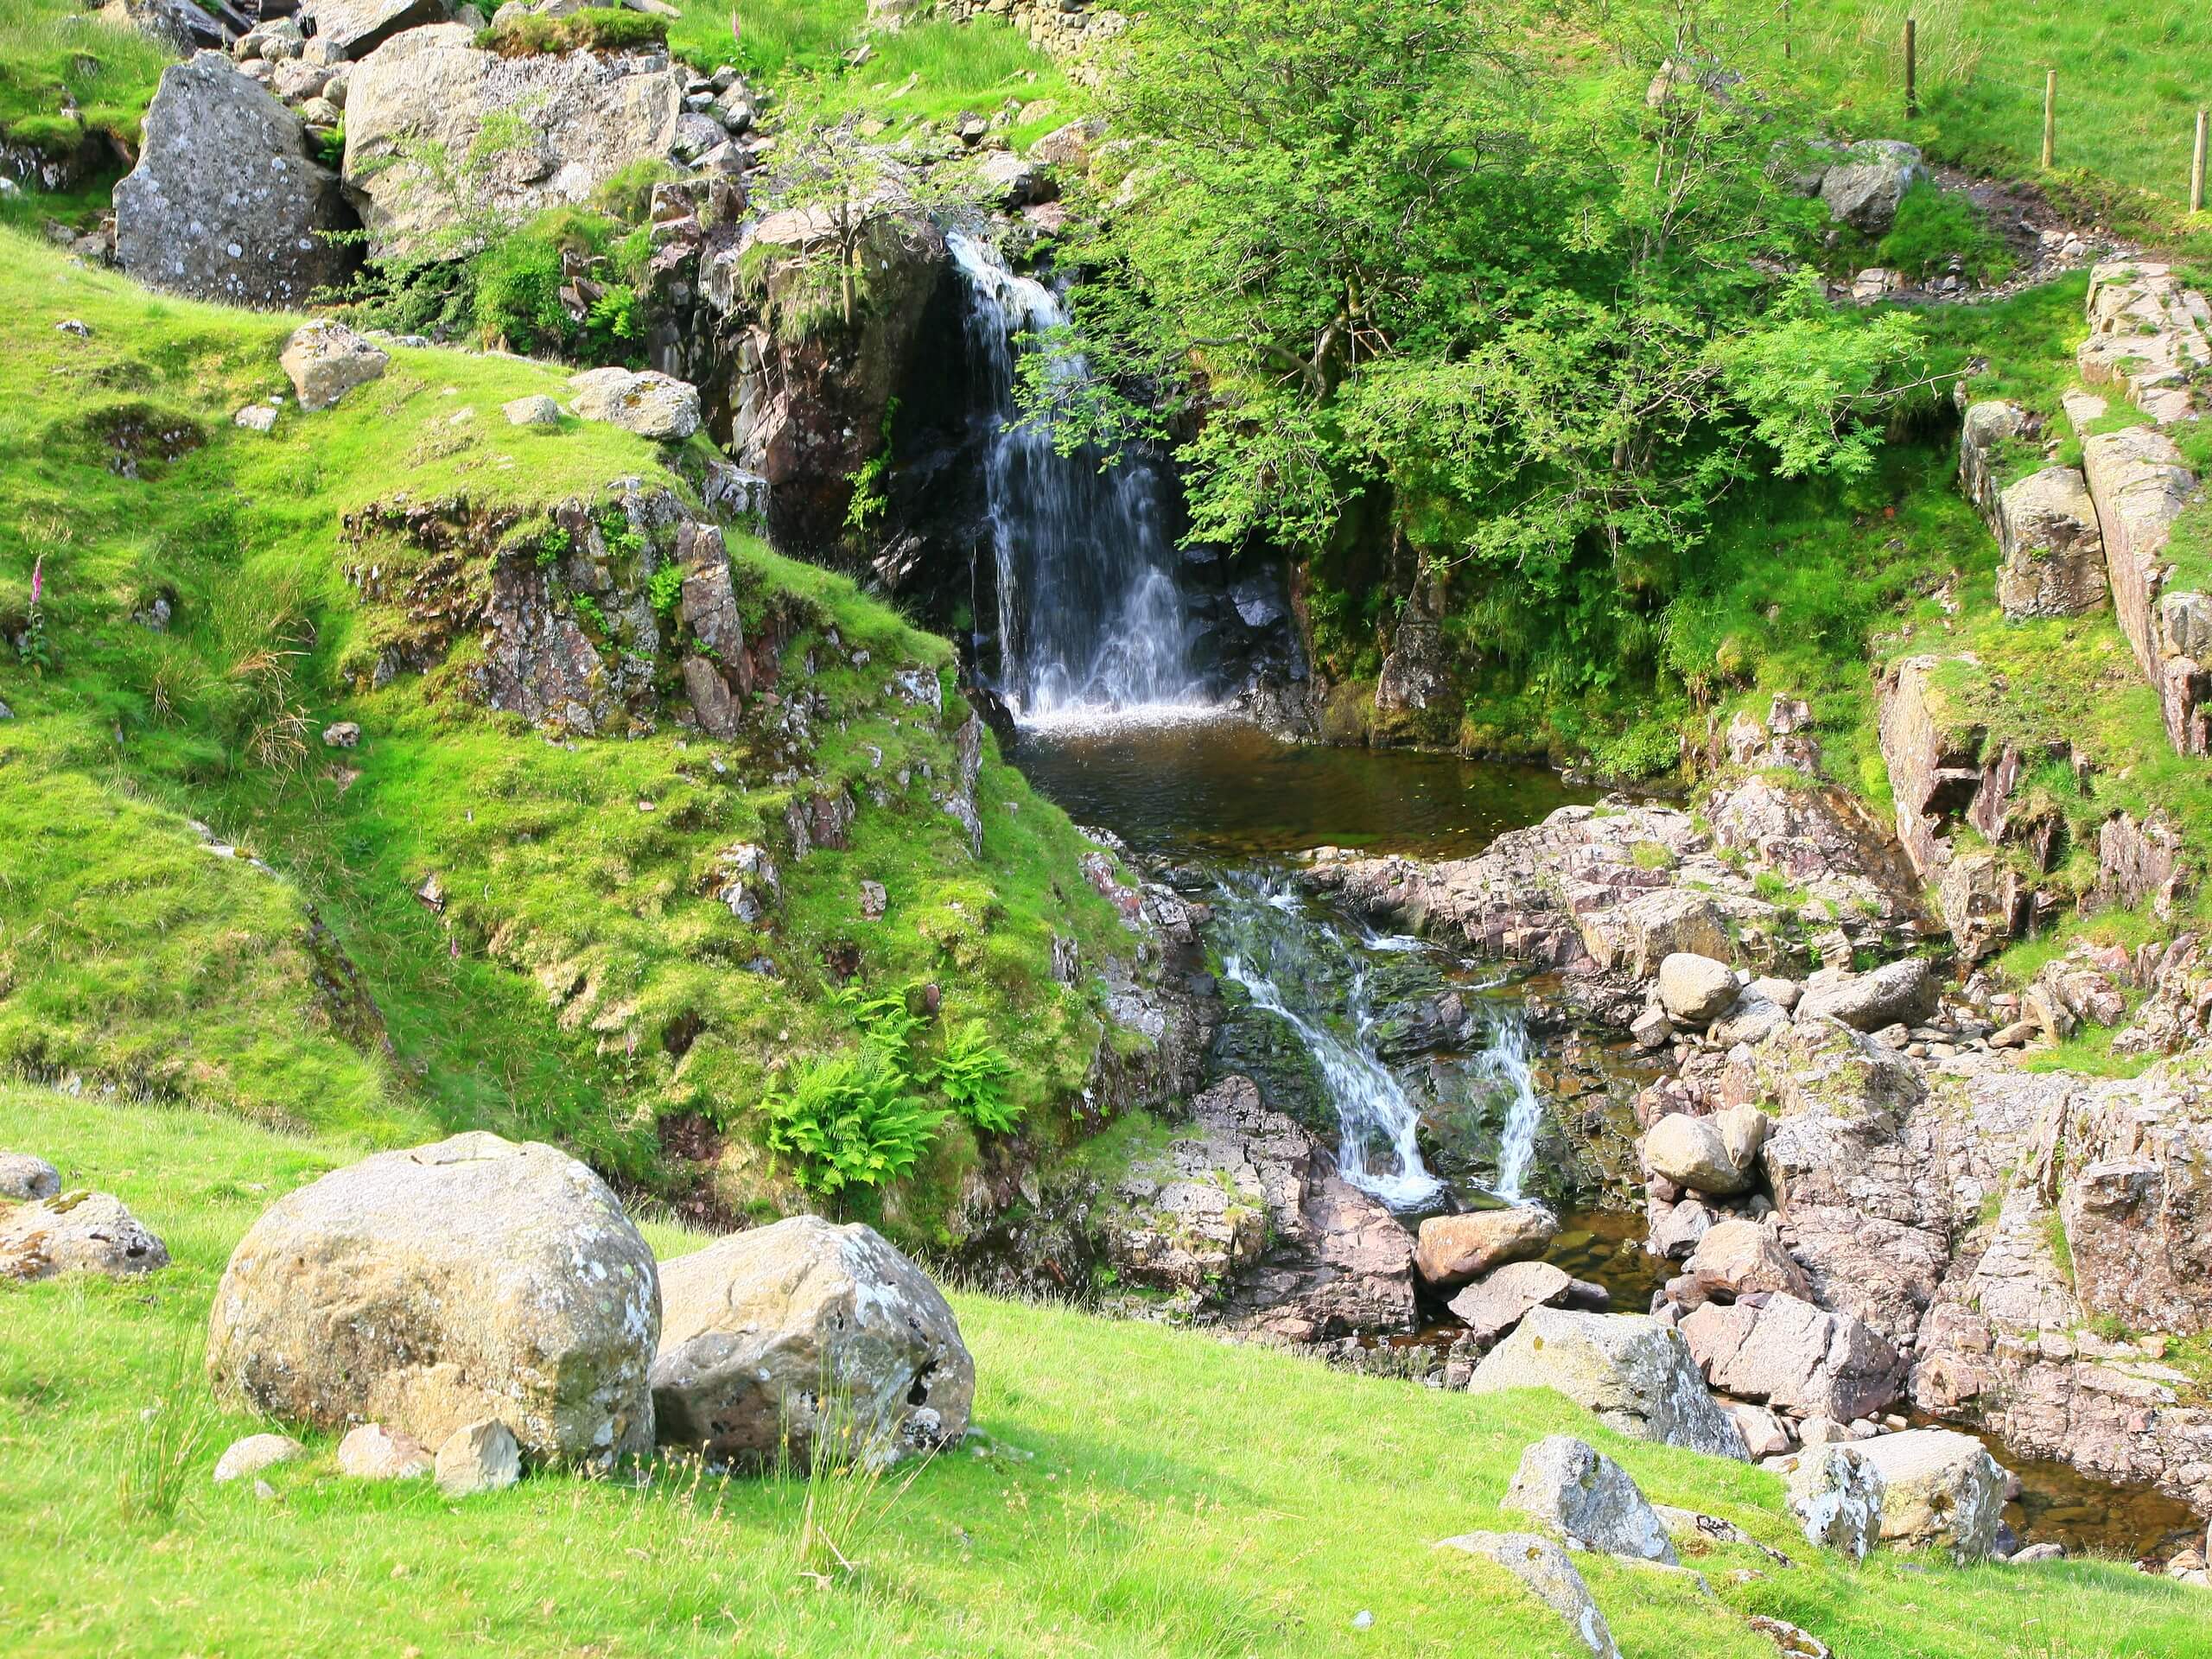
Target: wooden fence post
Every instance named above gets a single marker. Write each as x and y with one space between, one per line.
1911 68
2049 116
2197 164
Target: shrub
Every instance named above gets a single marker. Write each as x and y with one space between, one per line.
850 1120
599 30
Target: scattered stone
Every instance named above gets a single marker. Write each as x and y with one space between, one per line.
1690 1152
1652 1029
1542 1565
1938 1487
327 360
1636 1374
344 734
874 900
1836 1496
1451 1250
536 409
1494 1306
375 1452
1702 1532
225 202
75 325
2035 1552
76 1232
645 402
255 1453
256 418
26 1178
481 1457
1570 1487
1794 1641
1765 1436
1695 990
755 1322
432 1288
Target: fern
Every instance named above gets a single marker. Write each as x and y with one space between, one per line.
973 1074
850 1120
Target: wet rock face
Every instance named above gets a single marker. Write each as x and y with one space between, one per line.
434 1288
226 203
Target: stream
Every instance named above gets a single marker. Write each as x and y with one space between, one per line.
1419 1068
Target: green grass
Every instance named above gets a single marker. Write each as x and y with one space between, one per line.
2130 77
582 982
1156 1492
53 52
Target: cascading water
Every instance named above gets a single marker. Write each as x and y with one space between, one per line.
1505 1063
1293 965
1090 619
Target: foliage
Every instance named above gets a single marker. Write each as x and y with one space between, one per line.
1404 268
596 28
1934 227
330 146
666 588
849 1120
973 1073
55 57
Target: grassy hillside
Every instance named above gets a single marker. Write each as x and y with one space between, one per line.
580 979
1142 1491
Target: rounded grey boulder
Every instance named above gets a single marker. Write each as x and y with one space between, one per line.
1571 1488
1695 990
76 1232
25 1178
785 1336
430 1289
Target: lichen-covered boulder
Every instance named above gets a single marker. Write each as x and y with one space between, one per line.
1636 1374
2053 551
326 359
1451 1250
437 1287
807 1337
1571 1488
76 1232
1836 1496
1939 1488
225 202
1864 187
647 401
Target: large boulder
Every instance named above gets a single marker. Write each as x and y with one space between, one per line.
25 1178
1636 1374
225 202
584 118
648 403
805 1337
434 1288
1862 189
1898 993
353 29
76 1232
1836 1494
1737 1258
1695 990
1451 1250
1795 1357
1544 1569
1571 1488
1939 1488
1692 1151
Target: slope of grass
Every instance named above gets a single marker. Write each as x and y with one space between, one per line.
53 52
1142 1491
581 980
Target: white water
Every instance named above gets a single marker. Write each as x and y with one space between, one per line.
1506 1063
1273 949
1091 622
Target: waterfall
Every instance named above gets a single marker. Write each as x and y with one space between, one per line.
1505 1062
1091 618
1294 964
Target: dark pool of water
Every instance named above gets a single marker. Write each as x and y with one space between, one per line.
1225 788
2059 1504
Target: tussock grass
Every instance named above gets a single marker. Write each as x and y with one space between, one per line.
53 51
1141 1491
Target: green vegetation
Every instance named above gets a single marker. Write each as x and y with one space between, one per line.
1141 1491
1936 229
66 77
596 28
576 978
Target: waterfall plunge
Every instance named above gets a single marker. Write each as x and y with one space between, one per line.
1090 619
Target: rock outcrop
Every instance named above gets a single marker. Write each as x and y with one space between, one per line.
2053 552
810 1340
2148 335
225 202
437 1288
1636 1374
584 118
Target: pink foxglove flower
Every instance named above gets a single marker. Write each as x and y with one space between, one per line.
38 579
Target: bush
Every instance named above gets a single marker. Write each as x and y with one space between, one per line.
1934 226
850 1120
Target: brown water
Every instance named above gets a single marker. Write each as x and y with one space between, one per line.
1226 789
